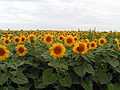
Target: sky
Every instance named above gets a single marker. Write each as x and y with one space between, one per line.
60 14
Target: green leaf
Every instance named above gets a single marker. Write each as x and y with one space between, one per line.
80 70
14 63
110 87
39 83
59 64
104 78
66 81
87 84
113 86
90 69
3 78
118 68
116 86
10 88
23 88
48 77
20 78
113 62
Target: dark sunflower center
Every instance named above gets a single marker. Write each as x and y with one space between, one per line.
61 38
69 40
17 39
23 39
2 51
39 37
75 39
21 50
57 50
48 39
102 41
92 45
88 45
80 48
6 41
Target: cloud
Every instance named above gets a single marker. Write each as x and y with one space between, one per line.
60 12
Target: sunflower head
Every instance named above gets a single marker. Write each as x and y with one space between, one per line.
4 53
101 41
57 50
23 39
48 39
60 38
39 38
75 38
69 41
21 50
6 41
80 47
93 45
17 40
31 38
119 47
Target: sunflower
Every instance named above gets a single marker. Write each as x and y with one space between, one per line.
60 38
80 47
39 38
86 40
31 37
3 38
117 41
88 45
101 41
17 40
93 45
21 50
75 38
119 47
57 50
48 39
23 39
69 41
4 53
6 41
10 36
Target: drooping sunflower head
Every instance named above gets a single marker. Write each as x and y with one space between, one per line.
17 40
31 38
48 39
6 41
57 50
60 38
93 45
80 47
101 41
4 53
69 41
21 50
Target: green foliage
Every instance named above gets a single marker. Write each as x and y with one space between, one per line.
98 69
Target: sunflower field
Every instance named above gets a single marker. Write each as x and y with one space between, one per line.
59 60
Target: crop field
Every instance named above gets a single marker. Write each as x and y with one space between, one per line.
59 60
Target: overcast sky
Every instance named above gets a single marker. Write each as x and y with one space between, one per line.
64 14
